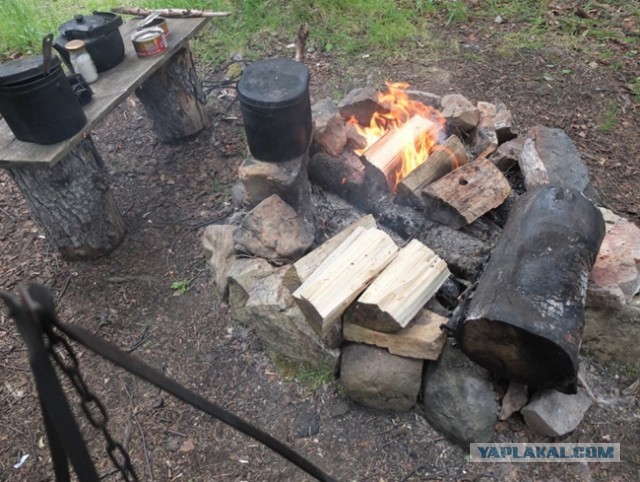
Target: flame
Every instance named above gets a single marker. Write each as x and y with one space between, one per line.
401 108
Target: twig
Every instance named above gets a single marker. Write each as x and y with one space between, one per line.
169 12
144 441
64 289
141 340
301 41
129 278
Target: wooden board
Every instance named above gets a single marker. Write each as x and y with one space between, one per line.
423 338
343 275
111 88
401 290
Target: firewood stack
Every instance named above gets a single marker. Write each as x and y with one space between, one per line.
378 289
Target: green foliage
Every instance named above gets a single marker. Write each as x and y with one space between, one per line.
181 286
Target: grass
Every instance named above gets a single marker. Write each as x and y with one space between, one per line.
374 27
314 377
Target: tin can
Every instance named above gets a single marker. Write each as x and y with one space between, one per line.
149 42
155 20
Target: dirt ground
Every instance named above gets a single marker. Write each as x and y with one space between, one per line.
169 193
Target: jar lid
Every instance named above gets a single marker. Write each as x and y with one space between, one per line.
274 83
75 45
27 68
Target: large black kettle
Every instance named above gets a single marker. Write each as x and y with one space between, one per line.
101 34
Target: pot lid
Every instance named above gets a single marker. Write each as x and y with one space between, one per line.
274 82
90 26
27 68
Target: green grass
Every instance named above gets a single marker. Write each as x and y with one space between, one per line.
313 377
352 27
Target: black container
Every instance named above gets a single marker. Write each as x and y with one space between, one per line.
38 107
100 32
276 109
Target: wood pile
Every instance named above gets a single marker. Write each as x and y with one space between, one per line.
380 290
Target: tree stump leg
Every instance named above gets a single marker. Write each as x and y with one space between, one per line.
73 203
174 100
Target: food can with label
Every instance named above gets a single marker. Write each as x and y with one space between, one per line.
149 42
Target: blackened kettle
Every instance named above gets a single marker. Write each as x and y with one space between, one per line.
101 35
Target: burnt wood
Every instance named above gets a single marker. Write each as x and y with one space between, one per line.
73 203
525 319
463 253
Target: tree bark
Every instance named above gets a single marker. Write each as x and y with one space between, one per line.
526 316
73 203
174 100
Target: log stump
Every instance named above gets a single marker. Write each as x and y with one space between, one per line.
73 203
526 316
173 98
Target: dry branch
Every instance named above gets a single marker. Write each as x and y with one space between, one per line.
169 12
301 41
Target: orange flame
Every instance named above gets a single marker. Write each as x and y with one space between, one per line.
401 108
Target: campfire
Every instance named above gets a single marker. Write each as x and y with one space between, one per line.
402 136
427 211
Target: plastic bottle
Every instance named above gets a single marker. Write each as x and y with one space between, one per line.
81 60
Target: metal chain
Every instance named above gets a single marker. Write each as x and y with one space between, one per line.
67 361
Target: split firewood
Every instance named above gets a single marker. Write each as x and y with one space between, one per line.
300 271
343 275
385 156
447 157
462 196
423 338
516 397
169 12
397 295
301 41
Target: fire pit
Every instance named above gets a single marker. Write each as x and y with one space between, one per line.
425 211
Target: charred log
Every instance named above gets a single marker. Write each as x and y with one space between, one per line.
347 178
526 316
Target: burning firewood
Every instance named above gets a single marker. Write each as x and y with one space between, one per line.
343 275
302 269
401 290
525 319
447 157
385 155
462 196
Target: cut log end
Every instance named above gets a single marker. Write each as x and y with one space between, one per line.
518 355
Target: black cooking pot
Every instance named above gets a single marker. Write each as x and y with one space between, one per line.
276 109
37 101
100 33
